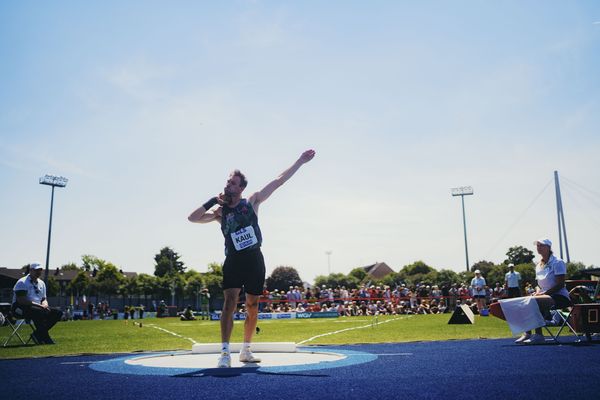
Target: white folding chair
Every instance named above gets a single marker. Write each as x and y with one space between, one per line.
15 328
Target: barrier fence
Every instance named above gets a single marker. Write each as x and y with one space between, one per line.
285 315
394 300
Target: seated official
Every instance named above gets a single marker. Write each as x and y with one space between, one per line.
188 314
29 302
550 273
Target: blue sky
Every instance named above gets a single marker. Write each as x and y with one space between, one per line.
146 107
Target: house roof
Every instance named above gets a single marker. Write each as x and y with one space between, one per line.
14 273
378 270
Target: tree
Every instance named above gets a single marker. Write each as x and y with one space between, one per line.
465 277
335 280
447 277
418 267
193 282
109 279
70 267
575 270
166 284
213 280
417 272
80 284
129 287
52 288
519 255
215 268
483 266
359 273
167 263
282 278
214 284
392 280
91 262
496 274
146 284
527 272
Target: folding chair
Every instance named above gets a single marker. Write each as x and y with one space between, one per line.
560 319
15 327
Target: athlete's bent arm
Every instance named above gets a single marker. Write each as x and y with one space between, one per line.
202 216
268 190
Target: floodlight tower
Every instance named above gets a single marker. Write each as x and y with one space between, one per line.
462 192
54 181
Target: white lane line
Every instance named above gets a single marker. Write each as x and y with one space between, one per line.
370 325
172 333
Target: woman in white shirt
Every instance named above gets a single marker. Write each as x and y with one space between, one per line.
550 274
478 288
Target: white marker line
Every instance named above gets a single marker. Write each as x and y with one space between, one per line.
351 329
172 333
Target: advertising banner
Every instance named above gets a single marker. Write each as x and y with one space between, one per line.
325 314
242 316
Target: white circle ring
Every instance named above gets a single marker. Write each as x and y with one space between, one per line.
186 363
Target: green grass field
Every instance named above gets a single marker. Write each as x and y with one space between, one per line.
110 336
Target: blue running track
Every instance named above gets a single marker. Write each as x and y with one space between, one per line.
468 369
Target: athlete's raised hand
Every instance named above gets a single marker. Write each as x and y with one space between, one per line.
223 199
307 156
264 194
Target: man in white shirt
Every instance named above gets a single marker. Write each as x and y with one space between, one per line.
512 282
30 302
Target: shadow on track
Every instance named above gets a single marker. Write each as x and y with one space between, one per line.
233 372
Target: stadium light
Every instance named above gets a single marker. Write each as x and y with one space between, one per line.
462 192
54 181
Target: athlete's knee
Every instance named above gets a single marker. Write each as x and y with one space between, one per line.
229 306
252 304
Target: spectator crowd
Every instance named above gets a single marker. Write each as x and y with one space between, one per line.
377 300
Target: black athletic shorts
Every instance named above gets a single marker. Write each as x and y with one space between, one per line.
245 269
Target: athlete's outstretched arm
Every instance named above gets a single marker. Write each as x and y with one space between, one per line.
268 190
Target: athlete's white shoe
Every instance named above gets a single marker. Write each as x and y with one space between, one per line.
523 338
224 360
246 356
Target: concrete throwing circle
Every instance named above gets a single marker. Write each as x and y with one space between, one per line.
185 363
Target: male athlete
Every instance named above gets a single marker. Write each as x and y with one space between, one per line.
244 265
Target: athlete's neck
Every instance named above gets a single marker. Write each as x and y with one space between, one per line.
234 201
